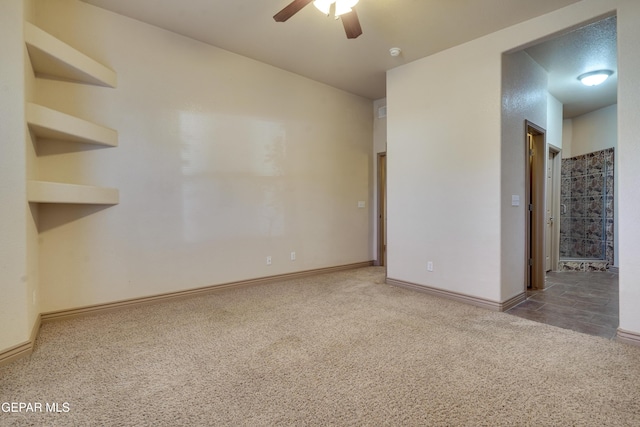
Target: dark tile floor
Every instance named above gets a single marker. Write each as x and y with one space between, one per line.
583 302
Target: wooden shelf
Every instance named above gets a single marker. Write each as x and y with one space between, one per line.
56 192
51 124
53 58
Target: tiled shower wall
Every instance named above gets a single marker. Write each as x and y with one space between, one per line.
586 211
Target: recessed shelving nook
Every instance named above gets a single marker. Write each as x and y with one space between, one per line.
51 58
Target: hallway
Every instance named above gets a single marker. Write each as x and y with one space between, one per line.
583 302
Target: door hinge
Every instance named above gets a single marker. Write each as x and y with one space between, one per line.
530 261
531 207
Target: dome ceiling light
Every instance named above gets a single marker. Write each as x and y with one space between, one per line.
594 78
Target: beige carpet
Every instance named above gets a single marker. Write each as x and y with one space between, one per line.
337 349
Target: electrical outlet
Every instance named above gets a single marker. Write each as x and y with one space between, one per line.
293 256
429 266
268 260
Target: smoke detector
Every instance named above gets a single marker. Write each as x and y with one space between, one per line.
395 51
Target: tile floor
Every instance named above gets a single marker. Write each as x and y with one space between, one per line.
583 302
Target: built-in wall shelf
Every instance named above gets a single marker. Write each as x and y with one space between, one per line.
56 192
54 58
51 124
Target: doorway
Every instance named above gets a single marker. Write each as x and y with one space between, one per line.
535 215
382 209
585 301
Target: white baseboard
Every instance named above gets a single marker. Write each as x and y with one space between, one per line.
101 308
467 299
21 350
628 337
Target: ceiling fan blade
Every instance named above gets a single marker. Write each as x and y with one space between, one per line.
290 10
351 24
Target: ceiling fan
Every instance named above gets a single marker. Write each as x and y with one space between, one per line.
342 9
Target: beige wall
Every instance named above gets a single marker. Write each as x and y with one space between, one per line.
554 122
33 256
18 234
444 171
444 141
567 137
13 206
628 159
594 131
222 161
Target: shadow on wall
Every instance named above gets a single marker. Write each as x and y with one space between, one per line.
55 215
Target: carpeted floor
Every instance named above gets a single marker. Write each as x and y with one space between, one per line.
336 349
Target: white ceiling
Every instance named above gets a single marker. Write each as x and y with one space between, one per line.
315 46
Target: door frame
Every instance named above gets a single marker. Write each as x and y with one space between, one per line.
535 182
382 210
556 189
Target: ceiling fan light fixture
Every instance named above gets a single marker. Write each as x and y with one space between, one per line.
344 6
341 9
324 6
594 78
341 6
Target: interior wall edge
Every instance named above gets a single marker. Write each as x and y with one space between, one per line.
24 349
